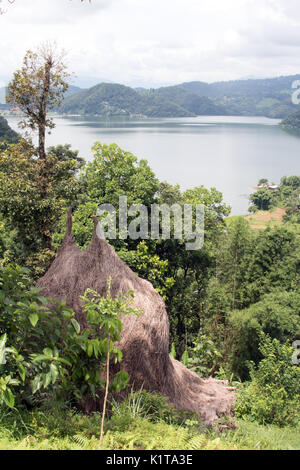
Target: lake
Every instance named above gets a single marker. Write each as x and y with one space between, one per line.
229 153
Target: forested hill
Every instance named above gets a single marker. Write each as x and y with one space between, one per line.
254 97
271 97
108 99
292 121
6 133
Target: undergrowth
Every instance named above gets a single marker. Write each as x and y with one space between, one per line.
143 421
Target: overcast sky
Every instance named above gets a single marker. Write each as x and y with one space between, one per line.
157 42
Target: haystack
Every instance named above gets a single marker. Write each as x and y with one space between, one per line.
144 339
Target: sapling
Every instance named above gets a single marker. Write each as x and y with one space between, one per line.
105 313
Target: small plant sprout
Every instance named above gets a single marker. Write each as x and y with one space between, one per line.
105 314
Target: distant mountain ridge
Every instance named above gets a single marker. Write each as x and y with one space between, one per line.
270 97
5 106
292 122
6 133
108 99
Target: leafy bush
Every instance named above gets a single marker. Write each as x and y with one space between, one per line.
273 395
153 407
203 356
277 314
43 351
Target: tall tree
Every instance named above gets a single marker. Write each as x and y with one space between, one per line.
36 185
38 87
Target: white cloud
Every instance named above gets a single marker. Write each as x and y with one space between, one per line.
153 42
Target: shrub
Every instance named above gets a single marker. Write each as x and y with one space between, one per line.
44 354
273 394
151 406
203 356
276 315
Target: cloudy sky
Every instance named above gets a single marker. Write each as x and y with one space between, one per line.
157 42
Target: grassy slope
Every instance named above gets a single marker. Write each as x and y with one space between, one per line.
260 220
263 219
65 430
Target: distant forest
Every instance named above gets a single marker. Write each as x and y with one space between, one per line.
255 97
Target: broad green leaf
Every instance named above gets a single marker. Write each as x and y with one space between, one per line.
22 371
90 349
48 352
9 398
33 318
36 384
53 372
75 325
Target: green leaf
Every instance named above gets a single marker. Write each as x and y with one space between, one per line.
173 351
2 348
75 325
9 398
53 372
47 379
33 318
22 371
90 349
120 381
48 352
36 384
185 358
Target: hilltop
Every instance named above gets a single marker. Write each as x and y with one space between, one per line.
108 99
6 133
270 97
253 97
291 122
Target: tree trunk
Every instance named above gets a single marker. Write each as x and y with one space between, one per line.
42 142
106 394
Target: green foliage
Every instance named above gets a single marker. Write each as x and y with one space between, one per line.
61 429
46 350
33 195
6 133
149 266
110 99
35 338
262 199
203 356
37 87
273 263
291 122
274 391
267 97
286 195
114 172
35 186
277 314
103 315
151 406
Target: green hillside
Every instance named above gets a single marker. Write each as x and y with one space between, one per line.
292 122
6 133
269 97
191 102
254 97
108 99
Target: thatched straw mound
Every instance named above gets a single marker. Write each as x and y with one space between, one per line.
144 339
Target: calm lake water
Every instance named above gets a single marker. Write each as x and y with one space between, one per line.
228 153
